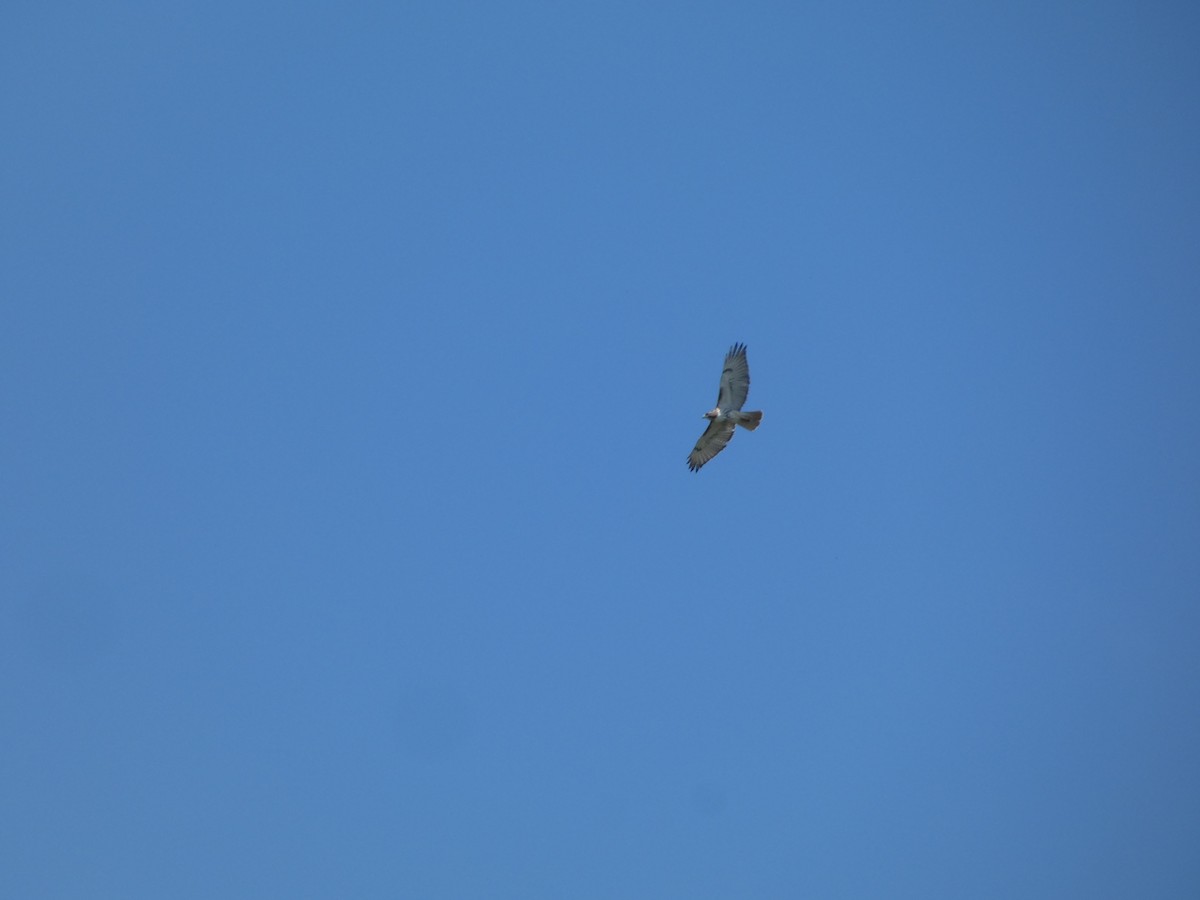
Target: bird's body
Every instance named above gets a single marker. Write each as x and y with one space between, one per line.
727 414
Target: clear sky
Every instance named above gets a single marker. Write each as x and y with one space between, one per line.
350 355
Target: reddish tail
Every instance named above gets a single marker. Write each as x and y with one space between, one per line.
750 420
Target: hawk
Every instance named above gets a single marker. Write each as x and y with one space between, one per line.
735 385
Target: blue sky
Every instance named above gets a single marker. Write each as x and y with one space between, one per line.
349 359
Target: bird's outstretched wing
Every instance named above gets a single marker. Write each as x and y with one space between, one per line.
712 442
735 379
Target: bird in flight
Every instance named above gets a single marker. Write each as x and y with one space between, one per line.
735 385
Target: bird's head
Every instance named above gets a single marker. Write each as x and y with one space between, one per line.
712 413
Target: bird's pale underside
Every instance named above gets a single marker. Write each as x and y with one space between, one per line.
727 414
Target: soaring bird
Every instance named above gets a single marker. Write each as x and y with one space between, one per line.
735 385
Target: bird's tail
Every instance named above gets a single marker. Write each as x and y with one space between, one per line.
749 420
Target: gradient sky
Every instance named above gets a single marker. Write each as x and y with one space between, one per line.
349 359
